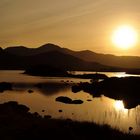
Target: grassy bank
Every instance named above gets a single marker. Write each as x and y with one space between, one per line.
17 123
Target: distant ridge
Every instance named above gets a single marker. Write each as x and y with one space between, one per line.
24 51
85 56
21 57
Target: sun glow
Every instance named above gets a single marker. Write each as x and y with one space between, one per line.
119 105
125 37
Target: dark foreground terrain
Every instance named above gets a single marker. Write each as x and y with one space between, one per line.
17 123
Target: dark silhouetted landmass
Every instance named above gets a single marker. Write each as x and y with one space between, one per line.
43 70
10 61
96 76
24 51
126 89
68 100
51 58
5 86
133 71
64 61
85 55
18 123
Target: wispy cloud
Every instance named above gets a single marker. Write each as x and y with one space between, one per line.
20 18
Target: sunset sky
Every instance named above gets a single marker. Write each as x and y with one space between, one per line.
74 24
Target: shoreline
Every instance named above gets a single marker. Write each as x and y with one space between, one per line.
18 123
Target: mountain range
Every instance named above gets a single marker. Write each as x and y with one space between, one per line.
20 57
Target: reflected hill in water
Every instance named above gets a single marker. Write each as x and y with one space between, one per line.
126 89
49 89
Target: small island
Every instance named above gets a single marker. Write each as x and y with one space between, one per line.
44 70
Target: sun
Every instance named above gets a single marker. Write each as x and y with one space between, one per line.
125 37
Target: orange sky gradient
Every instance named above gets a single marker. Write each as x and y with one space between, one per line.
75 24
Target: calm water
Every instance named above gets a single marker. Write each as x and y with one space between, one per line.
101 110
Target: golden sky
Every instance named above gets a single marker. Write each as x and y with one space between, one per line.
74 24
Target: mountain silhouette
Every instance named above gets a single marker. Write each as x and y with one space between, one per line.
24 51
10 61
52 58
86 55
66 61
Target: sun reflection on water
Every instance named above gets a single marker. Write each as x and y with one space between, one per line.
119 105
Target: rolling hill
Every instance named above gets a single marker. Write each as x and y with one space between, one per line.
50 58
86 55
